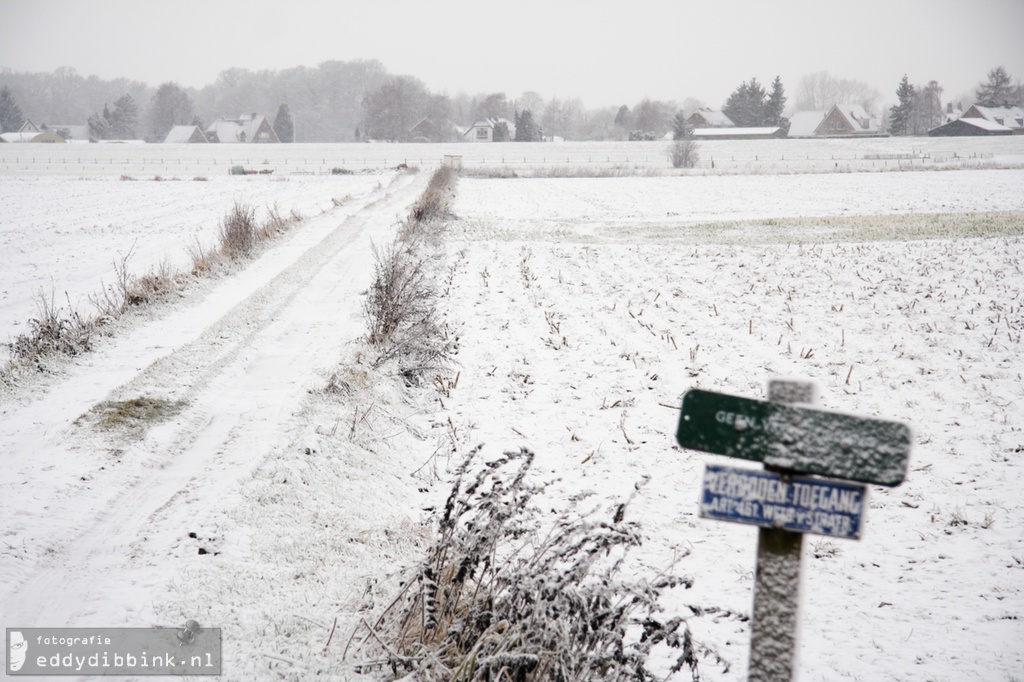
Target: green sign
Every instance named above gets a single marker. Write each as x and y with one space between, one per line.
797 439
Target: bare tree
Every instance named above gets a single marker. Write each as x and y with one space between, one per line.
171 107
927 109
820 90
564 118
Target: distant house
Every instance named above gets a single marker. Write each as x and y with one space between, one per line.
979 120
1009 117
30 133
185 135
842 120
759 133
430 130
483 131
248 128
964 127
709 118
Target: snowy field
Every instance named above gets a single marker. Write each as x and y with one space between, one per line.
717 156
86 226
585 307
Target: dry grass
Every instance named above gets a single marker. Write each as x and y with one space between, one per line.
53 331
134 415
403 322
238 232
505 595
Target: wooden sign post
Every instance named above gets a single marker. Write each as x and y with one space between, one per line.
791 440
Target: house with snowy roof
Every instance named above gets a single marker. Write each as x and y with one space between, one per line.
979 120
190 134
842 120
735 133
969 127
29 132
705 117
247 128
483 130
1007 116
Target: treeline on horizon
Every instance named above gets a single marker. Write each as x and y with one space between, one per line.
359 100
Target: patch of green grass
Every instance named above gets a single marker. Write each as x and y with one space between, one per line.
135 414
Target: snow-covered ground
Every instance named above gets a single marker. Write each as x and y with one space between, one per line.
585 307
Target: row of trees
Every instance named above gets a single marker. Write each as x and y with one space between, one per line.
919 108
345 101
750 106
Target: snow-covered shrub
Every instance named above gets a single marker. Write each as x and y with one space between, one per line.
505 594
238 231
54 331
401 305
683 153
435 203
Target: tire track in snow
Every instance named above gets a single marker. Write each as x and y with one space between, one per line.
243 370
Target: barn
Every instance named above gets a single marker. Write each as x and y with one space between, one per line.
964 127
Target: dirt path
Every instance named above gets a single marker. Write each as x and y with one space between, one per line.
231 359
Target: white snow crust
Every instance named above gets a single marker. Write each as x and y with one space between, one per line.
584 309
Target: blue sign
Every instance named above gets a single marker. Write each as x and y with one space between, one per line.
795 503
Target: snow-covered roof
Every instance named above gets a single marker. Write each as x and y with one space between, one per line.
183 135
858 117
759 131
713 117
985 124
245 128
1011 117
804 123
492 123
31 137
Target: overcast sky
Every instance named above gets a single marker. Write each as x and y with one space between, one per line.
605 53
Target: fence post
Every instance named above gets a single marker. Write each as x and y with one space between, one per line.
777 580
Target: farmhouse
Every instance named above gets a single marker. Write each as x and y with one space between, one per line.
1009 117
963 127
185 135
709 118
758 133
248 128
483 131
431 130
30 133
842 120
979 120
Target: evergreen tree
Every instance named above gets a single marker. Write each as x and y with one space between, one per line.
100 125
998 91
775 106
501 132
123 119
900 115
283 124
527 129
680 128
11 118
622 118
746 105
